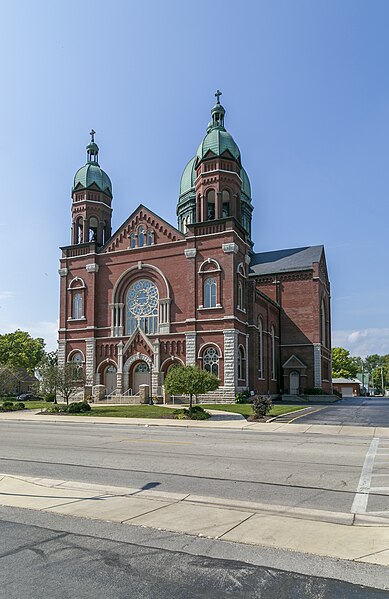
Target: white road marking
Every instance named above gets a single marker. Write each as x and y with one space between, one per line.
361 498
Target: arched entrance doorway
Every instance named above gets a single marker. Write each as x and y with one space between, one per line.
141 375
110 379
294 382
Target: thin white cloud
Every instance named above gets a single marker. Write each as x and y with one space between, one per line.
6 295
47 330
363 342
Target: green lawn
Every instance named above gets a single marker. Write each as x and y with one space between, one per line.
140 411
145 411
246 409
30 405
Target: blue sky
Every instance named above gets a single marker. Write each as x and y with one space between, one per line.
305 86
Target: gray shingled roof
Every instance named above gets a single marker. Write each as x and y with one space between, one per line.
266 263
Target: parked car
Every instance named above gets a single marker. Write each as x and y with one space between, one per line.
28 397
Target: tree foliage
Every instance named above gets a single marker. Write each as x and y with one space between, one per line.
343 365
190 380
20 350
48 374
68 381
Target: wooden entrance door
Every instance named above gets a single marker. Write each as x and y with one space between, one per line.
110 380
141 376
294 383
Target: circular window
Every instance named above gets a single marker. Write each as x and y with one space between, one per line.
142 307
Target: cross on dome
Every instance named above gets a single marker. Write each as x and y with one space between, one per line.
92 135
218 94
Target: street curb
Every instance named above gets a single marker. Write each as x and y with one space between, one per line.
331 517
282 428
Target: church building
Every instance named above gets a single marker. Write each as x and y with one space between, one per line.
151 296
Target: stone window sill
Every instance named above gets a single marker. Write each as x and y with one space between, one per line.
217 307
70 319
241 309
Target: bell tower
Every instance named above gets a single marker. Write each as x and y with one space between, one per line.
214 184
91 200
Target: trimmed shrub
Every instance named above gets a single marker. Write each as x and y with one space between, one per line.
50 397
8 404
243 397
78 406
19 405
194 413
314 391
55 409
262 404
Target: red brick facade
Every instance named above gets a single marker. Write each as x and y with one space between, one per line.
134 303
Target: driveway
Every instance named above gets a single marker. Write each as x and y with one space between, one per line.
352 411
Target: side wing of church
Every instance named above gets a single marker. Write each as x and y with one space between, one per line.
151 296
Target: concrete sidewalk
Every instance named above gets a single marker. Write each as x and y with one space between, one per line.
219 420
333 534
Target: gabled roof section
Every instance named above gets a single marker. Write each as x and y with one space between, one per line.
294 362
162 231
265 263
138 335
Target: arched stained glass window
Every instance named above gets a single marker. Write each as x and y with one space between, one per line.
133 240
150 238
273 353
142 367
210 292
211 361
77 306
260 349
141 236
240 296
77 366
323 324
241 363
142 307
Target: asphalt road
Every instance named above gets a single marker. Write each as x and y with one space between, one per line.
309 471
43 555
352 411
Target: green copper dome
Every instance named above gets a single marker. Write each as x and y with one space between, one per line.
188 177
218 141
91 173
246 187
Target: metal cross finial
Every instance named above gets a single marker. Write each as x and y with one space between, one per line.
92 134
218 94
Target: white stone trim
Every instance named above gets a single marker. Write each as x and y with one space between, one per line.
209 344
90 367
190 345
230 356
317 364
74 280
230 248
190 252
61 352
208 261
63 272
93 267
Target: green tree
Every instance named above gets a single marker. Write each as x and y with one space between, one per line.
20 350
343 365
190 380
48 375
69 382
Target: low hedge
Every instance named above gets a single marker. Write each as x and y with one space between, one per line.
10 406
73 408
